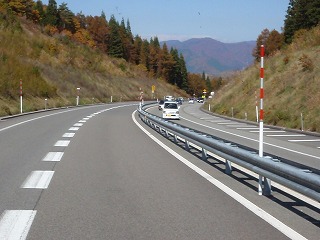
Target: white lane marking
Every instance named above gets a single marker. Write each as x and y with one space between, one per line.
74 129
304 140
38 180
285 135
270 131
254 140
53 157
82 121
86 118
68 135
62 143
15 224
78 124
224 123
251 128
75 109
289 232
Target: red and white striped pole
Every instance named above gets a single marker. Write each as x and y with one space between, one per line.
261 103
261 114
20 95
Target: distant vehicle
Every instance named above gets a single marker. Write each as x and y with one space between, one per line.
191 100
170 110
200 100
169 98
179 101
161 103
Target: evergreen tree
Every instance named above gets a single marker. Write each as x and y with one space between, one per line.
184 73
115 48
51 14
39 8
301 14
65 18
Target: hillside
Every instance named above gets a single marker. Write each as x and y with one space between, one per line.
212 56
292 86
54 67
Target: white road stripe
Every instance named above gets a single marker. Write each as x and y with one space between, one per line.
289 232
82 121
62 143
86 118
68 135
74 129
254 140
285 135
15 224
304 140
78 124
53 157
251 128
270 131
38 180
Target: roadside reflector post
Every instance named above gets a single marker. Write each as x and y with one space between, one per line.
20 95
266 188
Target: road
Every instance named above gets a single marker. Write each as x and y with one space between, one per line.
98 172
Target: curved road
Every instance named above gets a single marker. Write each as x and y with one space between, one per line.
97 172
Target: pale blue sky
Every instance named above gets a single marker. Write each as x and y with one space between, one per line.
224 20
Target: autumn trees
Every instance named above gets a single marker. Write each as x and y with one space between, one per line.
109 36
301 15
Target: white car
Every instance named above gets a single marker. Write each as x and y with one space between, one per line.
170 110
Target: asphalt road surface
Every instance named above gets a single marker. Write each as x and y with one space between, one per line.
98 172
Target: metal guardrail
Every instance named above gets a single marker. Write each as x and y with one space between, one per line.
298 178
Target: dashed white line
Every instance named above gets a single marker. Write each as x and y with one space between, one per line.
53 157
82 121
15 224
62 143
304 140
68 135
270 131
38 180
74 129
285 135
251 128
78 124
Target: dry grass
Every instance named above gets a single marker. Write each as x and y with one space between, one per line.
54 68
291 84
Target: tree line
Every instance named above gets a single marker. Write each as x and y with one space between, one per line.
110 36
301 15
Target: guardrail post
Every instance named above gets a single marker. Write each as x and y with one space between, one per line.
267 187
204 155
228 167
166 133
175 138
187 146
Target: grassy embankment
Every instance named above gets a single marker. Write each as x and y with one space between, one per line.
54 67
291 84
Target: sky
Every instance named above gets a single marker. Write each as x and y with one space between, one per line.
228 21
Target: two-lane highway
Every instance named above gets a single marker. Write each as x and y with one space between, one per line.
99 173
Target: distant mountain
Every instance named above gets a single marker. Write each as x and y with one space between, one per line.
212 56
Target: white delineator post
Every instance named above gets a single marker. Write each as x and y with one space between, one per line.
20 95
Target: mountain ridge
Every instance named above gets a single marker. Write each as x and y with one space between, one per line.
212 56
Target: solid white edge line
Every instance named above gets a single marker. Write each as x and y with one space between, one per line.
15 224
289 232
